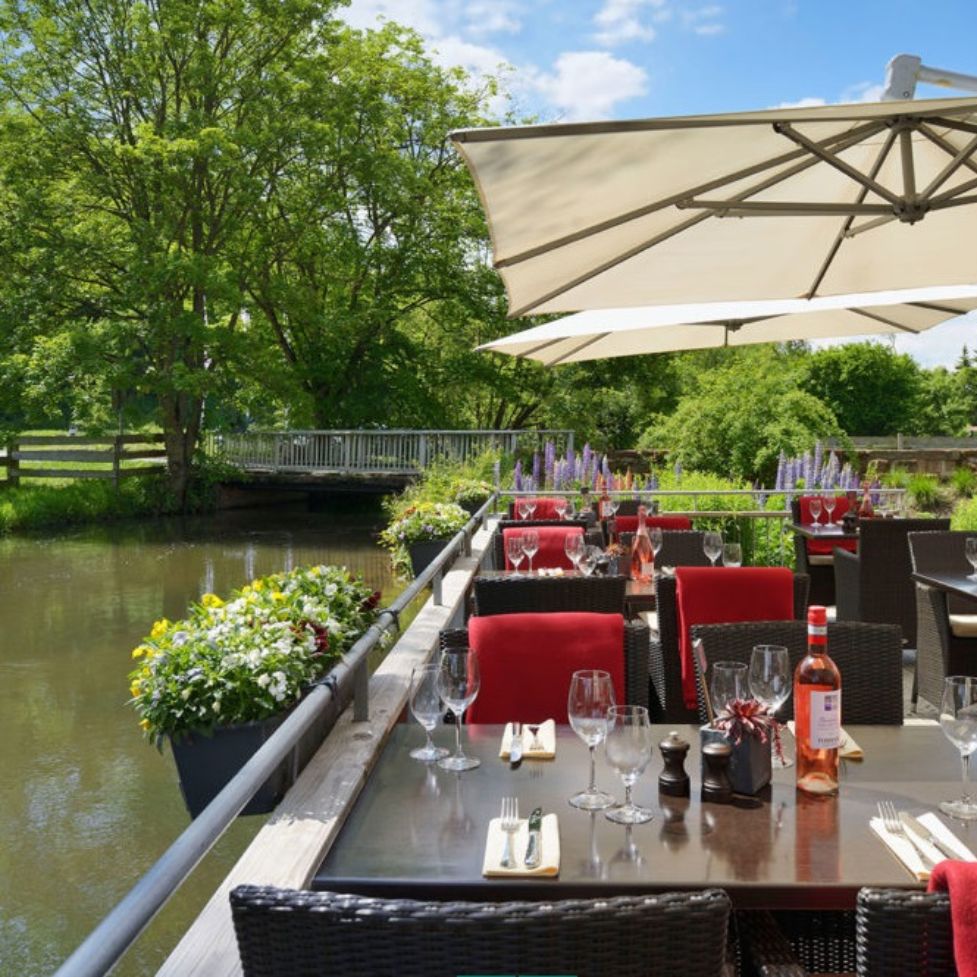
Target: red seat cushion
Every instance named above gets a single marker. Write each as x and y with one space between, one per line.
719 595
551 553
823 547
959 879
628 524
545 509
526 662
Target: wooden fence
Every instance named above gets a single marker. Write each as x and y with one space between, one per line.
51 456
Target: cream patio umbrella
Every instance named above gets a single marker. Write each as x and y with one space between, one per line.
602 333
783 203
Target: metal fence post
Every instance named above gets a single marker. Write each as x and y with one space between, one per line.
361 693
436 588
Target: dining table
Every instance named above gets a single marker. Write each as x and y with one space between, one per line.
418 831
831 531
959 584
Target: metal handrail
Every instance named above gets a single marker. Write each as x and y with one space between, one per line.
107 943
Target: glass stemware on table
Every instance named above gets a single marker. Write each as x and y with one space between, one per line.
531 504
732 555
560 508
523 509
426 707
628 747
657 541
592 555
814 504
729 682
590 698
770 683
530 545
458 682
712 545
573 546
958 718
515 551
970 550
829 507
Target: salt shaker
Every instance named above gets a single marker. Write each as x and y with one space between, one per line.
673 780
715 773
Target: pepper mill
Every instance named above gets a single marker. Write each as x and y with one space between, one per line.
715 773
673 780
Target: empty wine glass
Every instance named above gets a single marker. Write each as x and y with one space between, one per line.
770 682
628 749
611 506
426 708
458 682
573 546
530 545
829 507
515 552
560 508
729 682
814 504
958 717
531 503
732 555
591 696
970 548
522 508
712 545
657 540
591 557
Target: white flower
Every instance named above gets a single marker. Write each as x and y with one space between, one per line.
180 638
264 680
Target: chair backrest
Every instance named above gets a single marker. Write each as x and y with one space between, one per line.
629 524
498 544
942 552
551 553
901 933
886 592
545 507
801 507
288 932
869 657
680 548
517 595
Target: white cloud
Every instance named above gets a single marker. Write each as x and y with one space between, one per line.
864 91
619 21
588 84
477 59
492 17
425 16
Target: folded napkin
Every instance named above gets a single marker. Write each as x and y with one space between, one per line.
546 736
906 852
551 571
960 881
549 863
850 750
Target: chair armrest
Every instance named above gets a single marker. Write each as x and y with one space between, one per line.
800 554
847 585
637 637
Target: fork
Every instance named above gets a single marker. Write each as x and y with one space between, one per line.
892 824
510 824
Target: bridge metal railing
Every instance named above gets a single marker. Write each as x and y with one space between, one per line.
381 451
107 943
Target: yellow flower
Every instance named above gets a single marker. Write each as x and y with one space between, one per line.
159 628
246 589
258 585
140 651
211 600
277 595
135 688
144 723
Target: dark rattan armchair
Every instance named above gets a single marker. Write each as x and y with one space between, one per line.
869 657
519 595
820 568
664 662
680 548
874 584
289 933
939 652
592 536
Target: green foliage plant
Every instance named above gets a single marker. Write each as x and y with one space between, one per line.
924 490
964 481
421 523
964 516
251 656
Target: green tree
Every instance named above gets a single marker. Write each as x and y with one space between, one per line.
943 405
870 388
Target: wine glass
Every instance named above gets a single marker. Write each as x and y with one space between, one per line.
591 696
560 508
712 546
458 682
530 546
531 504
522 508
628 749
814 504
970 548
515 551
829 507
729 682
770 682
590 559
611 506
573 546
426 708
732 555
958 717
657 541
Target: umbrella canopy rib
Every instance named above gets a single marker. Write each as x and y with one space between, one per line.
885 322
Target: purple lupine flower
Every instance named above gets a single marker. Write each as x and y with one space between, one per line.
818 458
595 476
605 468
537 469
875 493
549 461
831 471
781 465
517 476
806 472
651 482
586 457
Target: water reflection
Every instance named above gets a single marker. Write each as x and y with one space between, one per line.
84 801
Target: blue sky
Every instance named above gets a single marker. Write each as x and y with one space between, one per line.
591 59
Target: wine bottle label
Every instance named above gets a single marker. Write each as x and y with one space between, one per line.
647 569
825 733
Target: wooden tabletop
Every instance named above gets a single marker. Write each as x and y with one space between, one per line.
417 830
832 531
638 597
954 583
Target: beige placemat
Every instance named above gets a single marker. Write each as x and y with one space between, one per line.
546 737
495 841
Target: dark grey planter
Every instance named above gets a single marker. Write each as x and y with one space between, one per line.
750 764
422 555
472 507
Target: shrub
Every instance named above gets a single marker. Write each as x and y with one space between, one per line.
965 516
924 491
964 481
421 523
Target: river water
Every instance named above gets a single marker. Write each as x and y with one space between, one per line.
86 804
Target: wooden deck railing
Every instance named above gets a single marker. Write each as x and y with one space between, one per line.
51 455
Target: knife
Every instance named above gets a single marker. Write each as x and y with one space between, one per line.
919 829
534 850
515 746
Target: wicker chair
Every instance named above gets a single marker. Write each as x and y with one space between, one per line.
636 636
664 663
874 585
821 571
296 933
592 536
939 652
892 933
517 595
680 548
869 657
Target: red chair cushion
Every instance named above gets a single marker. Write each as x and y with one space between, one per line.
720 595
628 524
526 662
959 879
823 547
551 553
545 509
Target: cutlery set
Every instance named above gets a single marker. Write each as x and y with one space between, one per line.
904 825
509 822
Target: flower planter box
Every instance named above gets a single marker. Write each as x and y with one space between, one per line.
422 555
472 507
206 761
